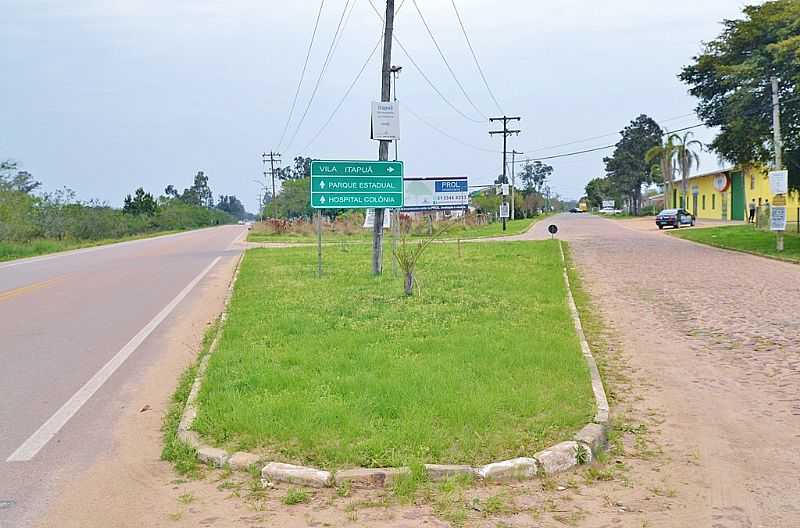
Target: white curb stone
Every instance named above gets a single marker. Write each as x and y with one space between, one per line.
445 471
242 461
300 475
593 435
514 469
370 477
212 456
561 457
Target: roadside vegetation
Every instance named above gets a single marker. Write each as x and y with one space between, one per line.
347 371
349 227
34 223
744 238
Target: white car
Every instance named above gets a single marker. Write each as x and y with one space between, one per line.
609 211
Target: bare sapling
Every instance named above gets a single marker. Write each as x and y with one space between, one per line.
408 254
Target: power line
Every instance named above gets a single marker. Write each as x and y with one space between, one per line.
446 134
475 57
352 84
595 149
321 74
602 135
446 63
346 94
419 70
302 74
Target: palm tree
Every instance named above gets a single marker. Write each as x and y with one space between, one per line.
664 153
686 158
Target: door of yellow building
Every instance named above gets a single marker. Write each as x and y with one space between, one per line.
737 196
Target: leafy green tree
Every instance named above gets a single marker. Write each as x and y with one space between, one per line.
627 168
141 203
732 80
686 158
199 193
231 205
534 175
293 201
597 190
300 170
171 192
12 179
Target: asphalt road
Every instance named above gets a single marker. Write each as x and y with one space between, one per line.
76 328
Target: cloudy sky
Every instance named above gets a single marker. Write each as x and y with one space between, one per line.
104 96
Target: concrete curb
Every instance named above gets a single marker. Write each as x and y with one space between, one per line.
555 459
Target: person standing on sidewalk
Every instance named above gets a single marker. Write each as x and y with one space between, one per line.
752 218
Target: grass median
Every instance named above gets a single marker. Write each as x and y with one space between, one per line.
38 247
483 364
744 238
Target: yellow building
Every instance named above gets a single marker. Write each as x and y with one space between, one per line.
726 194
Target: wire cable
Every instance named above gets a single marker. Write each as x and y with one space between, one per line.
442 132
302 75
419 70
475 57
352 84
321 74
446 63
344 97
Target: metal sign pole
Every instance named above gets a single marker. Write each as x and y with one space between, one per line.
319 244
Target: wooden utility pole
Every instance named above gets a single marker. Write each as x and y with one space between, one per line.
273 158
383 148
777 141
506 132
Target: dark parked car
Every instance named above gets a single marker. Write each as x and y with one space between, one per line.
675 218
575 210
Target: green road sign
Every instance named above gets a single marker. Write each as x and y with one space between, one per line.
356 184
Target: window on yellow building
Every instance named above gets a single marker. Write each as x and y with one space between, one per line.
704 202
713 201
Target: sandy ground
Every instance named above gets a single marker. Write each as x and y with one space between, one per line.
703 376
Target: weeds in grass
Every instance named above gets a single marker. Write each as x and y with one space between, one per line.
296 496
582 455
183 456
598 473
186 498
405 486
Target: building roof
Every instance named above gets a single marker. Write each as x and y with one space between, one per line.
704 174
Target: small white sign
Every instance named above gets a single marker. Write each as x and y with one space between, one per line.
779 182
369 219
504 210
777 218
385 121
608 204
506 189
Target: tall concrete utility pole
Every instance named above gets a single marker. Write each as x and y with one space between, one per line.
777 140
513 179
506 132
383 148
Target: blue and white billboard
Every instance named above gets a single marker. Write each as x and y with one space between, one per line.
437 193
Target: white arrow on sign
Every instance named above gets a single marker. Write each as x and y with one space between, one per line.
390 169
322 199
322 184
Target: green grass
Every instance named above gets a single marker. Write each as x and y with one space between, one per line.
513 227
744 238
345 370
35 248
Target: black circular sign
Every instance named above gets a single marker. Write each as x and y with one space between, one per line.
553 229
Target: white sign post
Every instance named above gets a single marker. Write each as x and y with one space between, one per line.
779 182
505 210
777 218
385 121
609 204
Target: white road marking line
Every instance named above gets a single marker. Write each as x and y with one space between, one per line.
52 426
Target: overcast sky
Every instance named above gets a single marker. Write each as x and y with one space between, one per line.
105 96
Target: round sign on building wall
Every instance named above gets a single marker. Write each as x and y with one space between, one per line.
722 182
